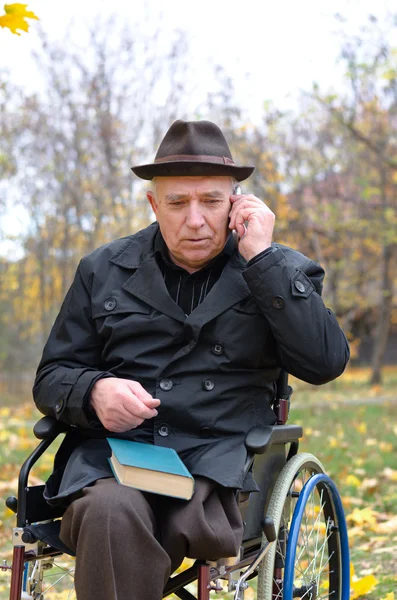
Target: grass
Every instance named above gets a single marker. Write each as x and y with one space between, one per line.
358 447
350 427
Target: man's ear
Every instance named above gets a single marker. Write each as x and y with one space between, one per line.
152 201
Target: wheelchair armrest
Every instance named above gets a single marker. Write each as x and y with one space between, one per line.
259 439
48 428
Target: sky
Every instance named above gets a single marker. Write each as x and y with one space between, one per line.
273 50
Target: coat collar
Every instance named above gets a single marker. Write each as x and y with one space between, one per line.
138 246
147 282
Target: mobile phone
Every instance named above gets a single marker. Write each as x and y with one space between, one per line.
236 191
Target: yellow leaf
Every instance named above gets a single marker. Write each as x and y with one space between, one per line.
390 474
361 427
363 516
353 480
333 442
362 585
385 447
15 16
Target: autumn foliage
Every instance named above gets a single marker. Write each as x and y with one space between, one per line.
328 169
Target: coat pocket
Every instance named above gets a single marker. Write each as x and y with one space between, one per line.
247 307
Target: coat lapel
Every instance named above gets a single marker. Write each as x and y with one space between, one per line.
227 291
147 284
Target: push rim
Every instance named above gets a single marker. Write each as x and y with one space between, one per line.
324 572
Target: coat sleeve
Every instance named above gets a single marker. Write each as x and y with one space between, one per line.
287 288
69 366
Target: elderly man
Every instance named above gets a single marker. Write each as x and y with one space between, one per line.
175 336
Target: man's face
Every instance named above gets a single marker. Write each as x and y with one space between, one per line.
193 214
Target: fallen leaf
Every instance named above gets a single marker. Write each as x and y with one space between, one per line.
363 516
361 585
389 526
386 446
353 480
370 485
361 427
390 474
371 442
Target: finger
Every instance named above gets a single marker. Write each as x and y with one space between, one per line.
139 390
236 197
136 408
248 201
241 218
119 424
143 395
239 206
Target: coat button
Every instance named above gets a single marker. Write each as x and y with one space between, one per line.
164 430
299 286
208 385
217 349
166 385
110 304
205 432
59 406
278 302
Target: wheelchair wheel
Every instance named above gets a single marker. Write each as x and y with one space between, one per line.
310 558
50 578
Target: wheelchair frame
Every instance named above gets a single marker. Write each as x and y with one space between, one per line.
267 455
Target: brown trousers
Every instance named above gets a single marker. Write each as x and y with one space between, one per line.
127 542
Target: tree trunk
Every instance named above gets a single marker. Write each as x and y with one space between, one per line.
384 316
386 297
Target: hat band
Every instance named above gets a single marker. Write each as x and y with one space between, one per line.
204 158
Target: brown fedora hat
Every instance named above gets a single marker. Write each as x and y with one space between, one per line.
193 148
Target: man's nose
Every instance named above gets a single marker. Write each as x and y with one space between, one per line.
194 217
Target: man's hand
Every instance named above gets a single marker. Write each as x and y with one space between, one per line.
121 404
254 223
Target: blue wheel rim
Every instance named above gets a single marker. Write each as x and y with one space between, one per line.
304 495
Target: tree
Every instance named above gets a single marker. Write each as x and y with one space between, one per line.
68 163
369 114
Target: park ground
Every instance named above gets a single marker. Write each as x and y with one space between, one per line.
350 426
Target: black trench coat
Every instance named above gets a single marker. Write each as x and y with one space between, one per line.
214 370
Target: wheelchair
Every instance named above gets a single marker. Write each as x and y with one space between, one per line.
295 542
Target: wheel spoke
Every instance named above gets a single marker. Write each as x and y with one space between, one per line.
313 544
54 583
45 585
317 518
325 541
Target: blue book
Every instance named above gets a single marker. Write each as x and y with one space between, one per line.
150 468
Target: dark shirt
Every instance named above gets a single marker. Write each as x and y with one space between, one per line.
188 290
